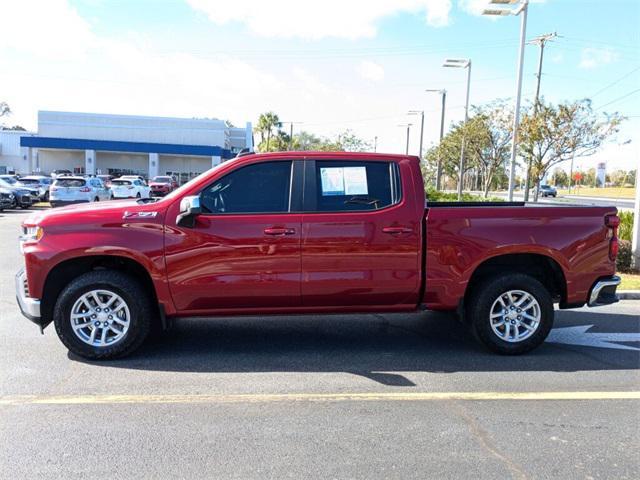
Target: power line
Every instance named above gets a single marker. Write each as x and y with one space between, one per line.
615 82
619 98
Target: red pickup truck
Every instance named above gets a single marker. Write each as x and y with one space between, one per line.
303 232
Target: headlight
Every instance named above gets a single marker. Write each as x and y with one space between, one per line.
31 234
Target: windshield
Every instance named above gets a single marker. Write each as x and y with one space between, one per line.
5 184
10 180
161 179
121 182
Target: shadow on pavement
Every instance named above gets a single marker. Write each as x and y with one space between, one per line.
373 346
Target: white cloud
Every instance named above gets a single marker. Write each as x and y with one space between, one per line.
557 58
370 71
597 57
51 29
315 20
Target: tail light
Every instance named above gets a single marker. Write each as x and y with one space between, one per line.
85 189
612 222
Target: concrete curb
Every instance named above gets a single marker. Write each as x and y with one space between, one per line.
629 294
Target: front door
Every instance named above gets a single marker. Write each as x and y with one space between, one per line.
361 236
243 252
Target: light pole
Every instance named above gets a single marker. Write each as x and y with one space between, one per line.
421 113
520 10
461 63
375 144
408 127
635 234
291 133
443 93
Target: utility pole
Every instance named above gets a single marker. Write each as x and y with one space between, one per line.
540 41
375 144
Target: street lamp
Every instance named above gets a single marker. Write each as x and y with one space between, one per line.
443 93
461 63
408 127
421 113
521 9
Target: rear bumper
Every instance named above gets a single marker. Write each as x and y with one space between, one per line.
30 307
603 291
62 203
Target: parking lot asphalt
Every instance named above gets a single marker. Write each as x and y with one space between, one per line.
358 396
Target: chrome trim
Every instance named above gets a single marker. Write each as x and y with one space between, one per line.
30 306
597 288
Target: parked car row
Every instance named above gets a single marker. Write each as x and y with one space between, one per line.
64 188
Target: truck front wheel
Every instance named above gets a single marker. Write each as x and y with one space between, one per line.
103 314
510 313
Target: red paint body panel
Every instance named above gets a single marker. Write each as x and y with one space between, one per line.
328 262
460 239
348 260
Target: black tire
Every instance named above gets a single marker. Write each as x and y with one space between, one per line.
97 199
123 285
46 196
478 310
138 195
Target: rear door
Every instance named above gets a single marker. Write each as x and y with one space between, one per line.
243 252
360 235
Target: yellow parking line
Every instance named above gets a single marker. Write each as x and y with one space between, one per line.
311 397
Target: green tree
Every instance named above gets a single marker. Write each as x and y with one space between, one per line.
488 135
556 133
560 178
267 122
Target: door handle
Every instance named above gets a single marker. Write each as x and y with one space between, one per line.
279 231
397 230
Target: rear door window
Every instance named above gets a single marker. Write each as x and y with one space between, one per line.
344 186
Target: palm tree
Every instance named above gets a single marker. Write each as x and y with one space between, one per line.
266 123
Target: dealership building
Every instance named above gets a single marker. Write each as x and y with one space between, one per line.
91 143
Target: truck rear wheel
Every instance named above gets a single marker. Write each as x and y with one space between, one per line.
511 313
103 314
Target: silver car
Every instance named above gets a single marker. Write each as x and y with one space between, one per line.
69 190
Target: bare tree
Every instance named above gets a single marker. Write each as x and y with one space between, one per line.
556 133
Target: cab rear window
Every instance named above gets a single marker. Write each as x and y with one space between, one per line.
70 182
121 182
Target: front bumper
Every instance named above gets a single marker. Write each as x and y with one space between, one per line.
603 291
30 307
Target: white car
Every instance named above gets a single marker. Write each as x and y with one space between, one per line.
68 190
131 187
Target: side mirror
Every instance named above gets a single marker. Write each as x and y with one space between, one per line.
189 209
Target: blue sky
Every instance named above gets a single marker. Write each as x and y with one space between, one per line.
330 64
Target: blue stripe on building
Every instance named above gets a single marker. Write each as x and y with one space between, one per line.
117 146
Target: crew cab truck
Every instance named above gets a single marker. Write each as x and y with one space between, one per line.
301 232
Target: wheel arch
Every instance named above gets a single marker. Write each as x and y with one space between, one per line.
540 266
64 272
